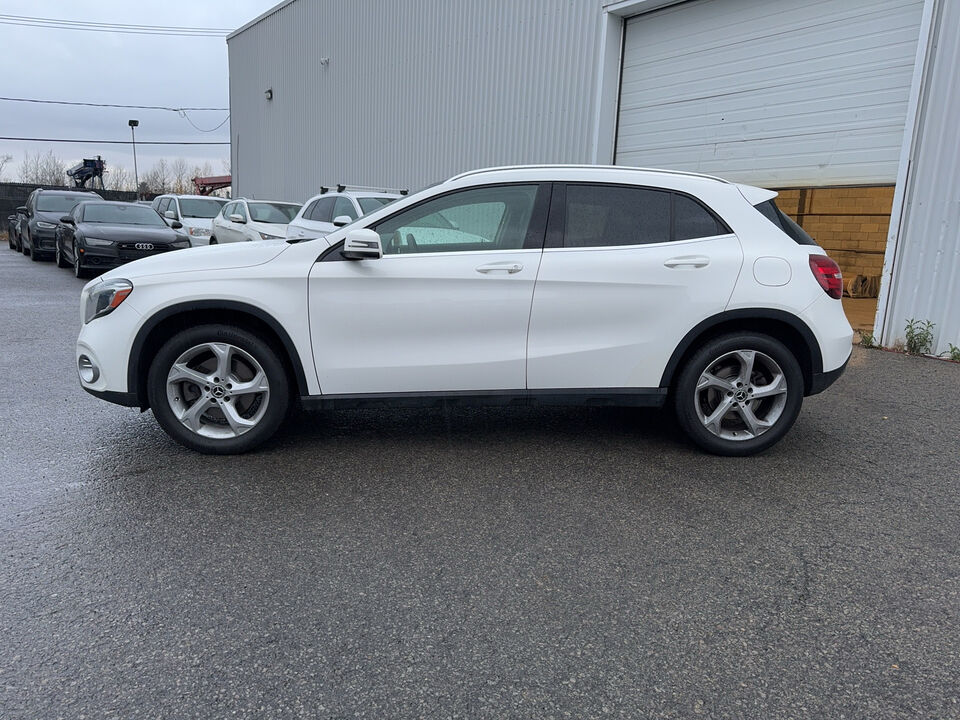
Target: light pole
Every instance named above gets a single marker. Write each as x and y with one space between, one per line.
133 136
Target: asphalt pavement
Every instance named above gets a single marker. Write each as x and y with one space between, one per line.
487 563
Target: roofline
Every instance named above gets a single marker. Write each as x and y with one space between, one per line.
261 16
660 171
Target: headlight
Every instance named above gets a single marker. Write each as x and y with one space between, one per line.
268 236
198 231
105 298
180 243
45 225
97 242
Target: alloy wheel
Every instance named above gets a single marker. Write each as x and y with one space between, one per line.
217 390
741 395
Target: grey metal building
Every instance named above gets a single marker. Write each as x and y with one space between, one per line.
778 93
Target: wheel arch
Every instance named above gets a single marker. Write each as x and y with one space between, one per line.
167 322
778 324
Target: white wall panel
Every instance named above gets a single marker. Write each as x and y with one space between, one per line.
414 91
771 92
925 281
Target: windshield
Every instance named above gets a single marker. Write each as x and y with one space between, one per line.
62 203
280 213
197 208
369 204
121 214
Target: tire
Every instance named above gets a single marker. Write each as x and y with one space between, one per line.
198 391
79 271
34 255
58 256
23 248
213 241
10 241
716 403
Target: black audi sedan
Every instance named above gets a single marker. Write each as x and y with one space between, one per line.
102 235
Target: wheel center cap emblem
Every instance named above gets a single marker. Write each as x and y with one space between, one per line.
218 391
741 395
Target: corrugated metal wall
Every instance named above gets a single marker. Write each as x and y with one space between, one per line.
926 271
772 92
498 82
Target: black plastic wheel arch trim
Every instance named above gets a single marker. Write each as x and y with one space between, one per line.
816 357
127 399
136 350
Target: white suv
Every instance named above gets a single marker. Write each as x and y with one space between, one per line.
540 284
324 213
194 212
244 220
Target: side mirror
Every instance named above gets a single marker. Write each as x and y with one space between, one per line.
362 244
341 220
67 220
237 218
22 209
170 215
176 224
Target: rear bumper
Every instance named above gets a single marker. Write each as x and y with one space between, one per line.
821 381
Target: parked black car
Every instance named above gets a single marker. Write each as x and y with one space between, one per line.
101 235
39 218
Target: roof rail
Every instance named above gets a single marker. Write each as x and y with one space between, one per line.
343 186
574 166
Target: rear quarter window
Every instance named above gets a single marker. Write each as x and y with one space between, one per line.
783 221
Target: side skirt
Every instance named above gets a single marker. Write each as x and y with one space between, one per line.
599 397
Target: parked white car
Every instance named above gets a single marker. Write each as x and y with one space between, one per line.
194 212
244 220
324 213
540 284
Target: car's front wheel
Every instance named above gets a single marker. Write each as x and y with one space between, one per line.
218 389
213 241
61 260
739 394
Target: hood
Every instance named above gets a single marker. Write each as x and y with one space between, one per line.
206 257
278 229
50 217
129 233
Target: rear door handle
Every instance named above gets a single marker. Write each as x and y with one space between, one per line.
506 267
696 261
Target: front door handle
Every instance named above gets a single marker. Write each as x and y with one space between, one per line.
506 267
695 261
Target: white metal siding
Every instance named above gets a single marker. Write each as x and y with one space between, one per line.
926 272
770 92
414 91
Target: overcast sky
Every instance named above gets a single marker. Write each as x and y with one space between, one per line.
99 67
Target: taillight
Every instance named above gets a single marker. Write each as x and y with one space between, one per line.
828 274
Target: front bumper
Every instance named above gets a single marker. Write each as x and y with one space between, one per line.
108 258
43 240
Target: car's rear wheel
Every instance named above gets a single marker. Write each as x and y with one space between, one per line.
739 394
218 389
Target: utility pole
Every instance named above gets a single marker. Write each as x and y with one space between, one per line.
133 136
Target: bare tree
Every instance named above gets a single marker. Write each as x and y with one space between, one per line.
180 175
119 178
43 169
4 160
225 166
158 179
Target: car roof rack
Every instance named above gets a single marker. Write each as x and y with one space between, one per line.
661 171
343 186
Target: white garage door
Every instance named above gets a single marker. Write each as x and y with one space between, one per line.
771 92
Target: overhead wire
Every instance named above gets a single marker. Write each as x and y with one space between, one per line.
118 142
121 28
112 105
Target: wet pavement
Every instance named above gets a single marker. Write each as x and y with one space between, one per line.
472 563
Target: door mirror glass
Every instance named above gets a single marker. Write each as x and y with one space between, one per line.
67 220
362 244
341 220
237 218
